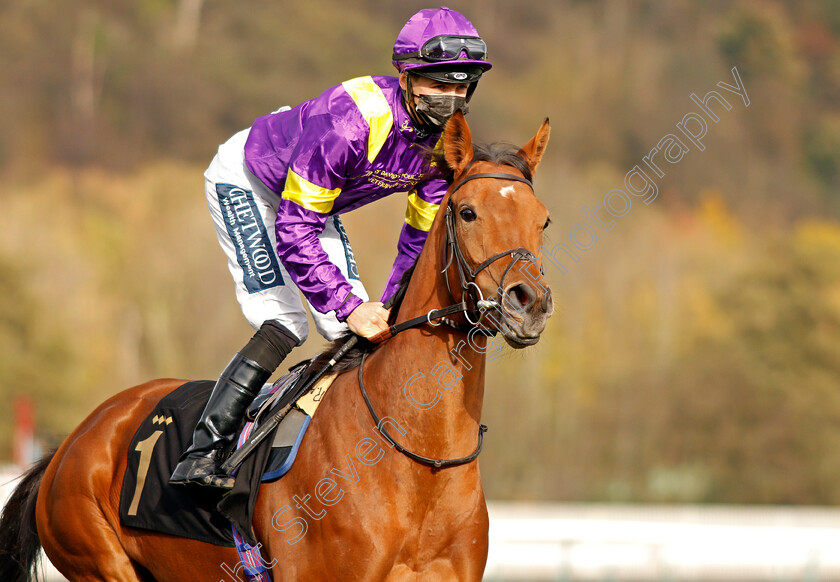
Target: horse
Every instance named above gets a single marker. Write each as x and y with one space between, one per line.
386 485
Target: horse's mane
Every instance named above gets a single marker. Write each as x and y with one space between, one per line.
499 153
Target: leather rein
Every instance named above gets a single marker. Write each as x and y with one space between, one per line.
466 276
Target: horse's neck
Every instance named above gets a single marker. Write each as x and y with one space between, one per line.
431 379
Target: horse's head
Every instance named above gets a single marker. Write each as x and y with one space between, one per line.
495 229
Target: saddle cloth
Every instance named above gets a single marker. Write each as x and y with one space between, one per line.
147 501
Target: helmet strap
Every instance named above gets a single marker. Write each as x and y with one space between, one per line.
471 90
420 128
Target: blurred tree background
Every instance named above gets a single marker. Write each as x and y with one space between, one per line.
695 352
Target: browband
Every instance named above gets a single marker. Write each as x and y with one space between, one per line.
497 175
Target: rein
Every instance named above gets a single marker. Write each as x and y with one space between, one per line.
467 276
436 463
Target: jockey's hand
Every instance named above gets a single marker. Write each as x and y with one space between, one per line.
368 319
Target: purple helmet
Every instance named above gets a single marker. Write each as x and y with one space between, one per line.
444 44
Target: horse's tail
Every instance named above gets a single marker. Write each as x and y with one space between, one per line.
19 543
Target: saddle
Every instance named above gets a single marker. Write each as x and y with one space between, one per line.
289 433
148 502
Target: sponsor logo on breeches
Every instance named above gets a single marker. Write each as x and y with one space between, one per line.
254 252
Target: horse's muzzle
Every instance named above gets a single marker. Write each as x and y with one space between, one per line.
525 313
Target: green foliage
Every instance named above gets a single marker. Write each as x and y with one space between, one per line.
822 150
706 372
759 40
121 84
33 356
100 304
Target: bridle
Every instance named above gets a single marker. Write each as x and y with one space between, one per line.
466 274
469 288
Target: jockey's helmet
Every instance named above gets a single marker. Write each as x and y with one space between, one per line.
443 45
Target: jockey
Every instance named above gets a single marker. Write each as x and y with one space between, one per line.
275 193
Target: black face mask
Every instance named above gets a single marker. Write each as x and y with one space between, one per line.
435 110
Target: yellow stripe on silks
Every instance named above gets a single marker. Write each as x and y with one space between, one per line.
374 107
438 151
306 194
420 213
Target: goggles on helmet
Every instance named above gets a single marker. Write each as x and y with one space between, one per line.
448 48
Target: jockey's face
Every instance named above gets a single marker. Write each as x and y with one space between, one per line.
425 86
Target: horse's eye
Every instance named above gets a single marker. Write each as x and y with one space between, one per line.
547 222
468 214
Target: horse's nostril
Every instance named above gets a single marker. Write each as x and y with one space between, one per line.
547 303
521 296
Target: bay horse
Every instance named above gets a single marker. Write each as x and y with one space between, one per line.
353 506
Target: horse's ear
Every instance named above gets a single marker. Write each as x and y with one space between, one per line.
534 149
457 143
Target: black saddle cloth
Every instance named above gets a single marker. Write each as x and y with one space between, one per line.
147 501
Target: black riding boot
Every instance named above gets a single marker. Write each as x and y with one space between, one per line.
241 381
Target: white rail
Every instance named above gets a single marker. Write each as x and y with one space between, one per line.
708 543
589 542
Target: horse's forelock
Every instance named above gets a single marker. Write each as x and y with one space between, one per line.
502 154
